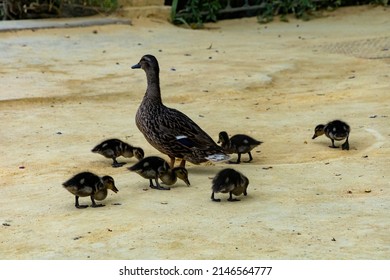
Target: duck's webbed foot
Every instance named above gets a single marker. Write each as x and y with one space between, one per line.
94 205
77 205
231 199
250 158
81 206
333 145
97 205
158 186
161 188
215 199
116 164
345 146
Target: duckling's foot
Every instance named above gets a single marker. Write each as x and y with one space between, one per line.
250 158
345 146
333 147
118 164
214 199
97 205
160 188
231 199
77 205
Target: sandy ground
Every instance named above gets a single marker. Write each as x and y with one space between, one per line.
65 90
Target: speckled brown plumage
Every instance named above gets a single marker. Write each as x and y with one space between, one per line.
169 130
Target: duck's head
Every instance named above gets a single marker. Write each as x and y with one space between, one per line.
97 149
109 183
147 62
130 151
242 186
223 137
182 174
318 131
139 153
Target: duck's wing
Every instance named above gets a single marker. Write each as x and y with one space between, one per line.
180 129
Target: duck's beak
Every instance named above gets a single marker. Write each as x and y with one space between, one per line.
136 66
114 189
314 136
187 182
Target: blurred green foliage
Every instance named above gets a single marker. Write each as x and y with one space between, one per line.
196 12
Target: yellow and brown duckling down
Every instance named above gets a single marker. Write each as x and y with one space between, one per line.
89 184
229 181
336 131
113 148
168 130
154 168
238 144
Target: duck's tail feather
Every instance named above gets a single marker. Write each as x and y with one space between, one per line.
218 157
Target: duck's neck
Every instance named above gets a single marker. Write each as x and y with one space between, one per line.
153 92
225 143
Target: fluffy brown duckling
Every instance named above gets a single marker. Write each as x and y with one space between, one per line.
89 184
155 168
168 130
238 144
336 131
229 181
113 148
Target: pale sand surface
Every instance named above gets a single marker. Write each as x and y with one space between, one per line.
65 90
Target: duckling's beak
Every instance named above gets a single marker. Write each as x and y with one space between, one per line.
136 66
314 136
114 189
187 182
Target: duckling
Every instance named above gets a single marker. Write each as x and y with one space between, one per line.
336 131
229 181
238 144
113 148
154 168
168 130
89 184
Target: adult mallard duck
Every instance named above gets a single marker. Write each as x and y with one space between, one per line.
154 168
336 131
113 148
169 130
238 144
89 184
229 181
